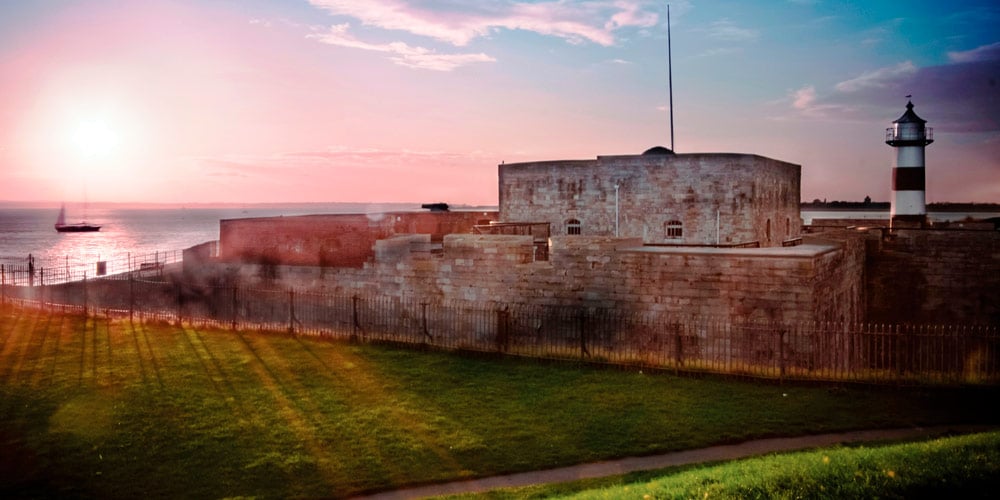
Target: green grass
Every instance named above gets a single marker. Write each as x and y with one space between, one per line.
953 467
108 408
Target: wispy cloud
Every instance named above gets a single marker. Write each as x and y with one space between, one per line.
720 51
879 78
805 102
370 158
961 95
989 52
885 30
345 173
727 31
459 24
401 53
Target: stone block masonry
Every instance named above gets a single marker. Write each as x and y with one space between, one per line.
945 276
819 281
693 199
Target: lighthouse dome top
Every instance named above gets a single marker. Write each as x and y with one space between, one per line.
909 116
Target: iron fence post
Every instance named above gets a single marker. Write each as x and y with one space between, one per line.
678 348
423 321
355 324
233 313
291 311
781 355
503 325
180 305
131 296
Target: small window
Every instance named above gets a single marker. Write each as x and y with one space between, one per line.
674 229
788 226
767 232
573 226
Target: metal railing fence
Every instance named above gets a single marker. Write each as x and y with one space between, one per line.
19 272
840 352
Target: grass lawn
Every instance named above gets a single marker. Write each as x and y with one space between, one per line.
953 467
108 408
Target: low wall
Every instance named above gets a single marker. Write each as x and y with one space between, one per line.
934 276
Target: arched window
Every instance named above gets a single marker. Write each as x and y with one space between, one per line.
674 229
573 226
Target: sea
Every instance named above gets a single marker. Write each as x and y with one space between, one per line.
134 234
137 234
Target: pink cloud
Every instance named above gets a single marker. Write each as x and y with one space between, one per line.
352 174
593 22
804 97
401 53
631 14
805 102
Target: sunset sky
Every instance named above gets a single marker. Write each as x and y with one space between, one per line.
418 101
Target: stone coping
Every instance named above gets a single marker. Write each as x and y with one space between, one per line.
808 250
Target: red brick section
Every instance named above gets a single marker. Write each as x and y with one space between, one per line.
337 240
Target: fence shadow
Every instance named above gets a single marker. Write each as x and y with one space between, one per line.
840 352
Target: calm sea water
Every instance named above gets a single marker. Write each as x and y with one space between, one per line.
809 215
141 232
133 232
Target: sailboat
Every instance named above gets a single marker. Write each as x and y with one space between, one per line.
80 227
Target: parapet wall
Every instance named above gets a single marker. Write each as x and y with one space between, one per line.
934 276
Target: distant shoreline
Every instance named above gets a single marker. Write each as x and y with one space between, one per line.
875 206
387 206
832 206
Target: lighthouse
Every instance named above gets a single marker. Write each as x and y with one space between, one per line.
909 136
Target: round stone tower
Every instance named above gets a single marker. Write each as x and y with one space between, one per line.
909 136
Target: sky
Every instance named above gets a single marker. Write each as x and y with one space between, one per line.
200 101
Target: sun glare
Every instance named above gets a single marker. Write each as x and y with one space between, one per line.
95 138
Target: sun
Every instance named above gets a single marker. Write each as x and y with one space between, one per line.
95 138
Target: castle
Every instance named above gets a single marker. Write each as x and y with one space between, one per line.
709 235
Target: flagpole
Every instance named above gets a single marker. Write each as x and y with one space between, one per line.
670 79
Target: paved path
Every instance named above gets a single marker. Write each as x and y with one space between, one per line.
632 464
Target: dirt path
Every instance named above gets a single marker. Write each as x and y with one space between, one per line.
632 464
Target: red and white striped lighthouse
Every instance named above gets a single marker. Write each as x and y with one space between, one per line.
909 136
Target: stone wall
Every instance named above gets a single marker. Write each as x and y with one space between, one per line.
338 240
813 282
934 276
719 198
